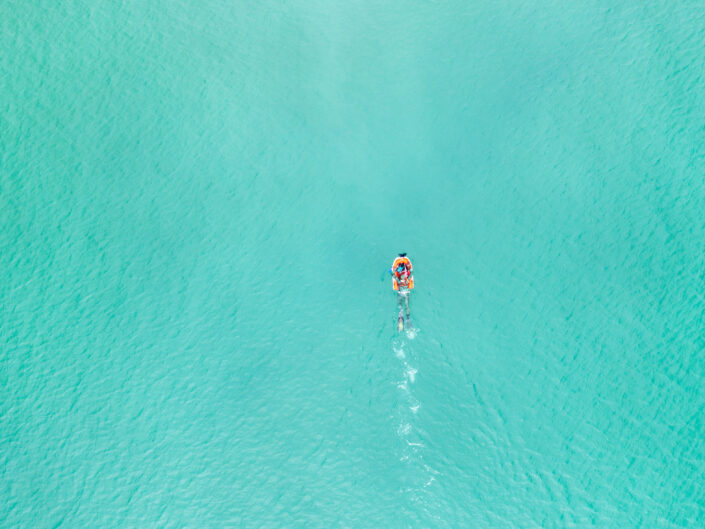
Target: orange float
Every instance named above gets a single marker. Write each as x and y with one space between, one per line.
404 278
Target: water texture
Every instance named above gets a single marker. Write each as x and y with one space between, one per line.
199 201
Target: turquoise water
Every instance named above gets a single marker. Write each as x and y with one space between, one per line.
200 200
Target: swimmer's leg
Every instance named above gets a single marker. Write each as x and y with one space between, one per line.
400 317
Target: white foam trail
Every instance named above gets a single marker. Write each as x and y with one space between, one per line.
411 374
412 448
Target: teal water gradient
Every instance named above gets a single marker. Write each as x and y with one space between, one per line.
198 201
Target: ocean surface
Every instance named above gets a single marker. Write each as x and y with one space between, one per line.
199 202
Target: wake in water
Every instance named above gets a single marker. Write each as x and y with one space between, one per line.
411 332
418 475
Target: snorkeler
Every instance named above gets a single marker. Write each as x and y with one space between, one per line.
403 282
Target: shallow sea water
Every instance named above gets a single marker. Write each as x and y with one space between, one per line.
199 202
